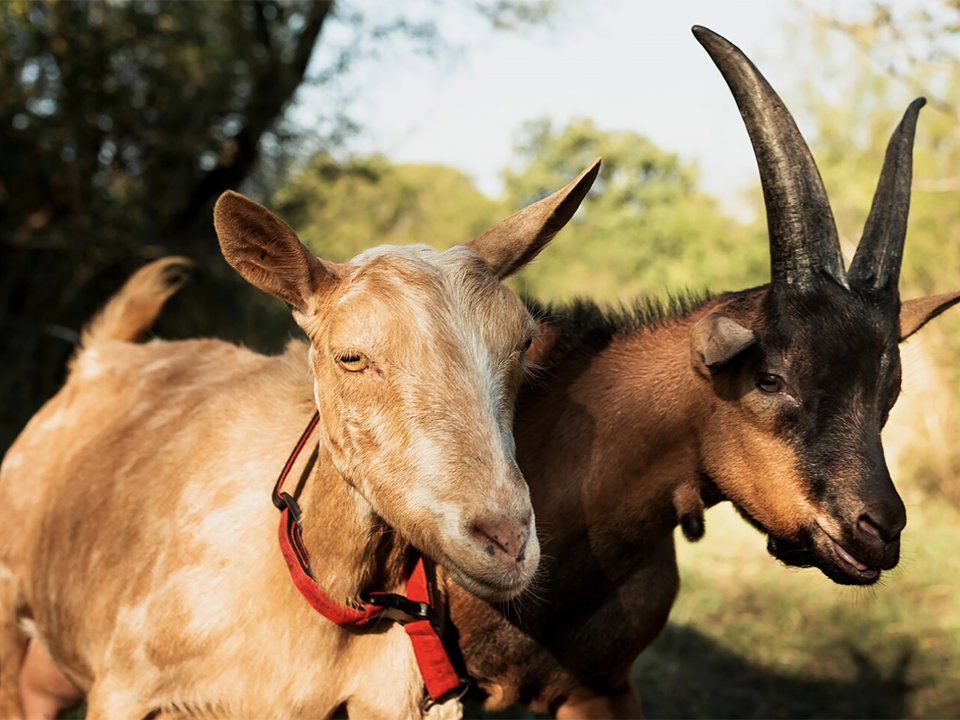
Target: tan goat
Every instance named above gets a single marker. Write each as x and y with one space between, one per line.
138 542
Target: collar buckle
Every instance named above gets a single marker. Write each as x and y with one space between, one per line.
414 609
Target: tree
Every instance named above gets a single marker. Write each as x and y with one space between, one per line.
340 209
120 124
645 227
124 120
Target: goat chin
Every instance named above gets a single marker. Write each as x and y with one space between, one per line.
485 591
492 586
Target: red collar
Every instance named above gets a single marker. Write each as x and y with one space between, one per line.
419 618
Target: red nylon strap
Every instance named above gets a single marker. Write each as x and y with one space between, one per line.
438 673
280 504
319 601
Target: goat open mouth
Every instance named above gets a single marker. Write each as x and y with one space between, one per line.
817 548
854 572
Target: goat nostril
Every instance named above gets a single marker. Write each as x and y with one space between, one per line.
869 528
877 532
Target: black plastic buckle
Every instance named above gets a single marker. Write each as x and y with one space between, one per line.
295 511
416 610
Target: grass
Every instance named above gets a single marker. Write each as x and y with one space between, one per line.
749 638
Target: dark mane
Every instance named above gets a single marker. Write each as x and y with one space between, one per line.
584 328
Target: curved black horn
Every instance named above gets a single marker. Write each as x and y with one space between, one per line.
803 234
877 261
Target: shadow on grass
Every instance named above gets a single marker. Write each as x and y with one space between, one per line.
686 674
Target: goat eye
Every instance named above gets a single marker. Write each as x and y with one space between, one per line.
770 383
353 362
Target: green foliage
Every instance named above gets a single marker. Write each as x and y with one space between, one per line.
644 228
851 138
121 123
341 209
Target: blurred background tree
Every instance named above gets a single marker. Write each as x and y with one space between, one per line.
341 208
646 226
123 122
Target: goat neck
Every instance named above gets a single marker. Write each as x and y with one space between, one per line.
631 388
368 555
608 438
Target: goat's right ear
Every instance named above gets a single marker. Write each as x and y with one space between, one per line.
716 340
914 314
512 243
267 253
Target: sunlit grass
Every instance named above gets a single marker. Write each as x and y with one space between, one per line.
749 638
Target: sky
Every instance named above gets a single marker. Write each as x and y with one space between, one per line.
627 64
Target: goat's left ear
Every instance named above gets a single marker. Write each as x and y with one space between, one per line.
716 340
914 314
512 243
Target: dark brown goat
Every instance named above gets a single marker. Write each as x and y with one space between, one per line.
772 398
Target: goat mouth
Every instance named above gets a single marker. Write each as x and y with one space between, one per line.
485 589
854 571
817 548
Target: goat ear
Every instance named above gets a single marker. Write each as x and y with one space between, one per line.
914 314
267 253
716 340
512 243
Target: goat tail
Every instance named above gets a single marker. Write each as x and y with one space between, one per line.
129 313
